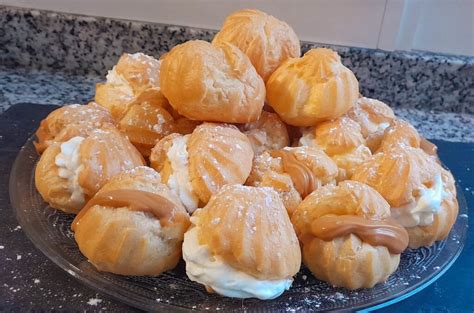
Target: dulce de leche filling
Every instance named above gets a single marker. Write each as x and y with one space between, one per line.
301 175
135 200
385 233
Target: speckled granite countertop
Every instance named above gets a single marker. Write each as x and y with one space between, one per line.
84 45
22 85
55 58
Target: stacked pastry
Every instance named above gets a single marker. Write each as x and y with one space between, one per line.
243 190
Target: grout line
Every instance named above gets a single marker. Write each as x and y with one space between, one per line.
381 24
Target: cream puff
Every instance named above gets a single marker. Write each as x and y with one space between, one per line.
134 225
215 83
402 133
293 172
146 123
69 121
421 193
267 41
196 166
342 140
347 235
373 117
267 133
70 173
242 244
135 78
316 87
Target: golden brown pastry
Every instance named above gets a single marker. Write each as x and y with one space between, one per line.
196 166
267 133
293 172
146 123
135 78
215 83
132 93
134 225
373 117
316 87
267 41
70 173
421 193
402 133
347 235
69 121
342 140
242 244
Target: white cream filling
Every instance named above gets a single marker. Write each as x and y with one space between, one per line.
69 166
118 80
213 272
308 137
353 157
423 210
179 181
379 127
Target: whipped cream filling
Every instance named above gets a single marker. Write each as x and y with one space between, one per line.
422 211
352 158
69 167
382 126
118 80
179 181
308 137
213 272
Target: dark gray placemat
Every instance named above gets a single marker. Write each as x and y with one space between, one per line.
28 279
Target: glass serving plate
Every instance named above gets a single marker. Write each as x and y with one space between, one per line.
50 231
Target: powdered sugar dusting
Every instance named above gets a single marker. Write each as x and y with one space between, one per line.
94 301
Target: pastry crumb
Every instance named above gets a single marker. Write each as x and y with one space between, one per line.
94 301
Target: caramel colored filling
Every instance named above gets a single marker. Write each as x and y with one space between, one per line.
386 233
134 200
301 175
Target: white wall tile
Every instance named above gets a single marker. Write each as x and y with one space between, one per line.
391 24
408 24
446 26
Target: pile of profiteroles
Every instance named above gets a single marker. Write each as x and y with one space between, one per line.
259 159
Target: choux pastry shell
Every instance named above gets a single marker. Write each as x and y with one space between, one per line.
267 133
422 194
314 88
196 166
145 124
347 235
342 140
373 117
267 41
135 78
134 225
401 133
69 121
247 235
70 173
293 172
215 83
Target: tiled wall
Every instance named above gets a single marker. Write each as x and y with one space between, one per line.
445 26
